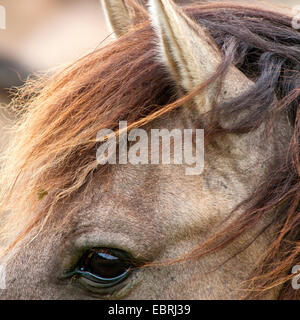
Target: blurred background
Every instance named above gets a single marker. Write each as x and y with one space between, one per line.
43 34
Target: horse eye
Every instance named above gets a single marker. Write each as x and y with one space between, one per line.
105 267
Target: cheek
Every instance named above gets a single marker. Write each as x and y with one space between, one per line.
187 280
33 264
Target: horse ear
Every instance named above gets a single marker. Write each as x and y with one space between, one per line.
190 53
122 15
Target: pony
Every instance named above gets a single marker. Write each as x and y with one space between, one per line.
74 229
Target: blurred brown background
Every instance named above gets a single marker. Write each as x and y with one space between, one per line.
43 34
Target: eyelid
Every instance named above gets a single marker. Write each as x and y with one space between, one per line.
74 249
119 253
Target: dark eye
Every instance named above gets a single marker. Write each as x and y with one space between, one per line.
104 267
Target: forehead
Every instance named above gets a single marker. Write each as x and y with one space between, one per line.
137 209
141 203
143 208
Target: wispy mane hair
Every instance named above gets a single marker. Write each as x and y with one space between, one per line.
52 154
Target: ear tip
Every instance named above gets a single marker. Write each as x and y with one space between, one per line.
122 15
161 1
156 6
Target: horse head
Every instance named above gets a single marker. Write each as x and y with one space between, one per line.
76 229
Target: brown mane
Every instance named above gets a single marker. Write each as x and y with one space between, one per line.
53 153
